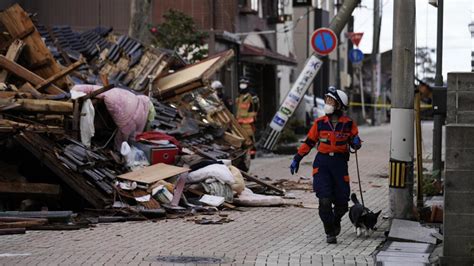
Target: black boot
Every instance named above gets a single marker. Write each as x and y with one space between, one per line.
330 234
339 211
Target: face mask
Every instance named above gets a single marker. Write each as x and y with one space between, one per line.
328 109
243 86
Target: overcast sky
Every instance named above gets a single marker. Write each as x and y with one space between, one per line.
456 39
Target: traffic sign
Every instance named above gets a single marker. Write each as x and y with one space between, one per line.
323 41
355 37
356 56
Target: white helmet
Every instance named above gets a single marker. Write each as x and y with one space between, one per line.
216 85
338 95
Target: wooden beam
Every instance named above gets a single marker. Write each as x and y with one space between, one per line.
18 23
13 53
29 188
60 74
44 106
22 224
13 94
27 75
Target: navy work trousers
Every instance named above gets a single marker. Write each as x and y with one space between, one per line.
331 183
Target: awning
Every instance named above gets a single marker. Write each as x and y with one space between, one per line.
256 55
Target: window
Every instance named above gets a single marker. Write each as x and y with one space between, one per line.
301 2
254 5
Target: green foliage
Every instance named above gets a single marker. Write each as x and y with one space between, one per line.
179 32
428 186
425 63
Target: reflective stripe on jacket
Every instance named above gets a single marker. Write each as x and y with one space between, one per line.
329 139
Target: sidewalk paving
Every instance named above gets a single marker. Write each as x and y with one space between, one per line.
258 236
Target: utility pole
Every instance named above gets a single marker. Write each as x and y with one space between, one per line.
338 53
402 115
438 119
375 56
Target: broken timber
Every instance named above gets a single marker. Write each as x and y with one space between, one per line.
13 53
27 75
17 22
44 151
60 74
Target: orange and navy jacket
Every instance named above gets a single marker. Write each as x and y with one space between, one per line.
329 139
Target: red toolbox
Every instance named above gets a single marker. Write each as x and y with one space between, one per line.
159 153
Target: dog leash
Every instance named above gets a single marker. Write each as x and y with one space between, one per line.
358 176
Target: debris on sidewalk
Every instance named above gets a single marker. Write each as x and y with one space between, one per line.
96 119
409 242
411 231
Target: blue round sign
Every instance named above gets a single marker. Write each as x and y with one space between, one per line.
356 56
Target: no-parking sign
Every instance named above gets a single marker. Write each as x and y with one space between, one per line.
323 41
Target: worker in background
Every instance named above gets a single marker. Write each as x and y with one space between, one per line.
247 105
219 88
333 134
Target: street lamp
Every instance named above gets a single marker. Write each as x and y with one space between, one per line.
471 28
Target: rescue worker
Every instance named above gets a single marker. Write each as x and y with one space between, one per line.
217 85
333 134
247 105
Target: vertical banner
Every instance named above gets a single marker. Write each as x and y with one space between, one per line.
292 100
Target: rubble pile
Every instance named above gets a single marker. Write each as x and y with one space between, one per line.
117 128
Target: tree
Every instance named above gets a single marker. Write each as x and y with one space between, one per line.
425 64
140 18
179 32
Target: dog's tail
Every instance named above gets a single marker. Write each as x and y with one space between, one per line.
354 198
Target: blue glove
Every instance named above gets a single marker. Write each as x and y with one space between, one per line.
356 143
295 165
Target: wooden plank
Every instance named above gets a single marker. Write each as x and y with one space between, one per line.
185 76
29 188
154 173
60 74
13 94
233 140
260 182
44 106
13 53
178 192
27 75
17 22
12 231
28 88
22 224
178 82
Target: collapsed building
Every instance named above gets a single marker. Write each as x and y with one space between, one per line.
99 121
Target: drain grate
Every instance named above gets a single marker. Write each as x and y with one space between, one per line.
193 259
